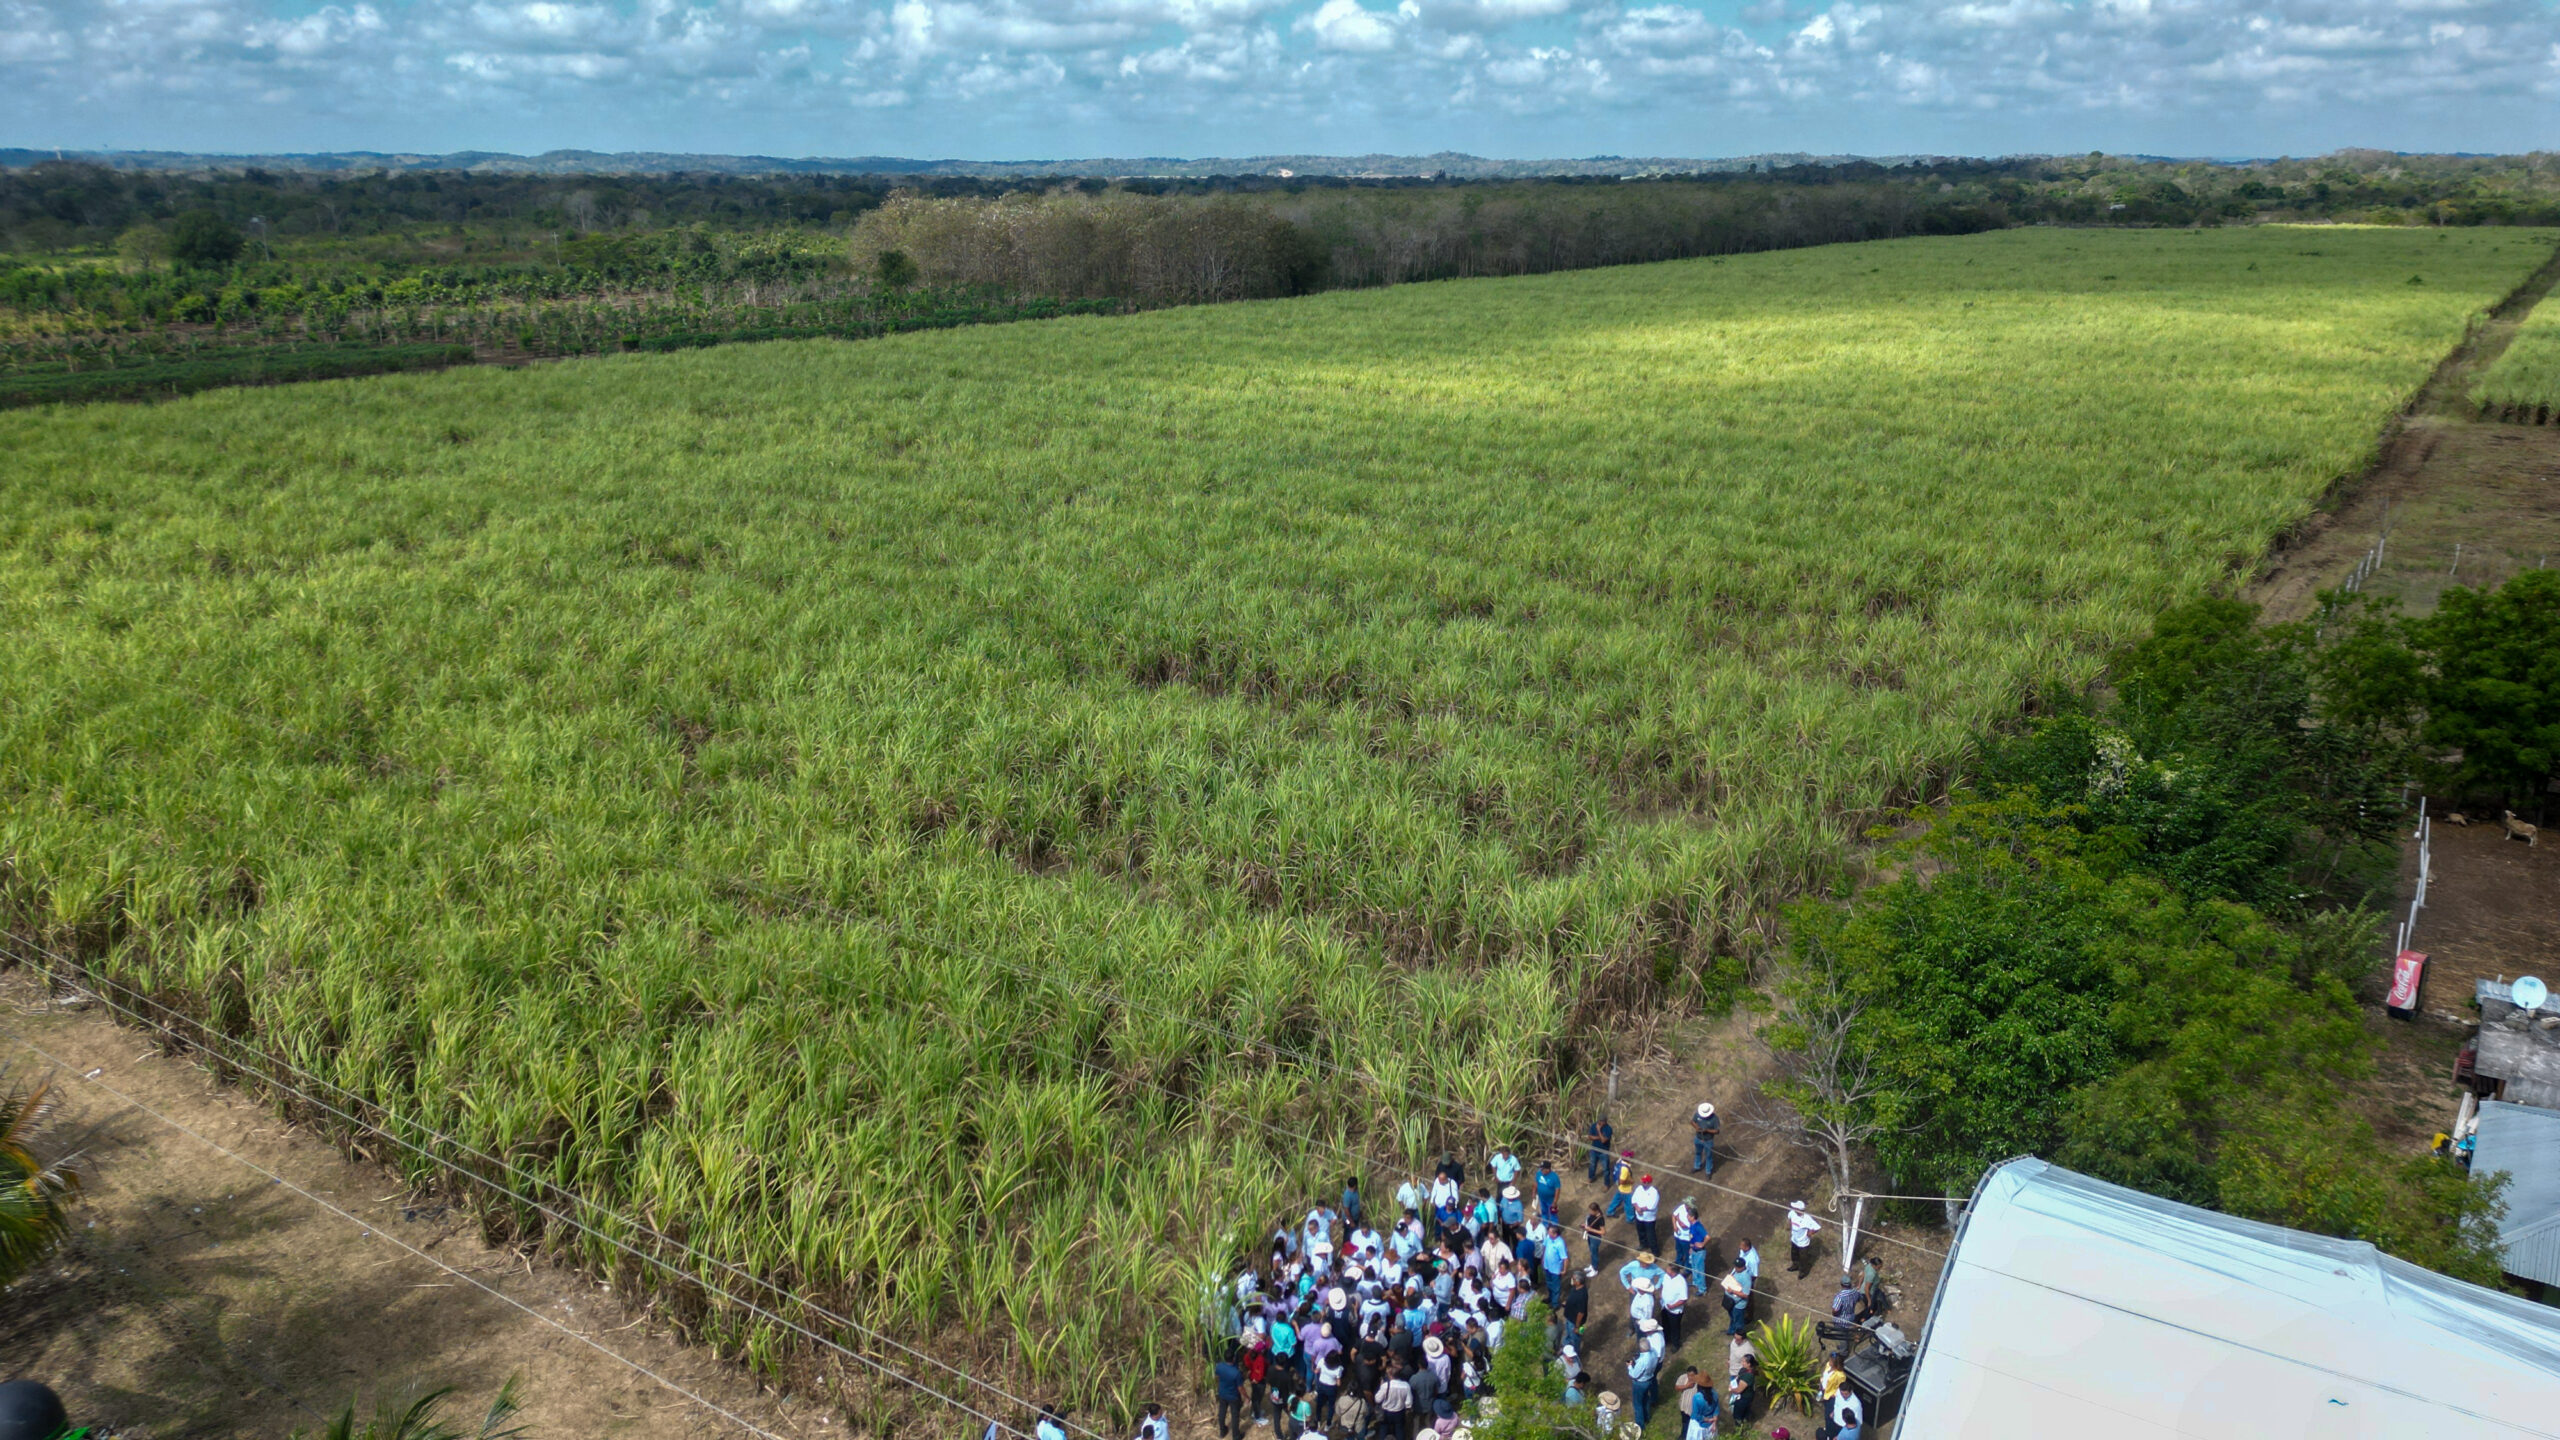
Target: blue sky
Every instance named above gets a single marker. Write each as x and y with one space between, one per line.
1023 79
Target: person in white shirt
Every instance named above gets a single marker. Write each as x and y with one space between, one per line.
1641 1303
1367 1245
1675 1304
1801 1228
1154 1426
1646 1206
1444 1191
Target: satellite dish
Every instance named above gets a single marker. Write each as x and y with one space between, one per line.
2529 993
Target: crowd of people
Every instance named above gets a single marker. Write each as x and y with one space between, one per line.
1362 1326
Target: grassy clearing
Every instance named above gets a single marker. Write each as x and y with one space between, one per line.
1415 677
2524 384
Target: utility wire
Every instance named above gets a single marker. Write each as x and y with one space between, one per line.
573 1198
744 1424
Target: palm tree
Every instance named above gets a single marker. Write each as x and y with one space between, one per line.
34 1180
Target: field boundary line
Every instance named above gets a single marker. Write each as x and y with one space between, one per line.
20 945
359 1222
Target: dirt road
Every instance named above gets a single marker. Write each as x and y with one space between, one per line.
201 1297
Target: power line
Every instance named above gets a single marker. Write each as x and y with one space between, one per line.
689 1251
744 1424
279 1063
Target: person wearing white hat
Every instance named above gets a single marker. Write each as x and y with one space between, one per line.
1702 1135
1510 1211
1640 1303
1644 1382
1801 1228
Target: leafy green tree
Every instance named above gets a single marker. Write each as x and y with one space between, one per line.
201 237
2476 685
1528 1394
2493 692
896 269
2036 987
143 246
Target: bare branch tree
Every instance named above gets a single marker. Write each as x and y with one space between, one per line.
1829 1090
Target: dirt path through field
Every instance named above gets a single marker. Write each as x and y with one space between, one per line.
2467 502
2443 479
199 1297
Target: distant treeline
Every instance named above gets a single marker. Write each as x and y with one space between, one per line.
1178 248
56 207
109 275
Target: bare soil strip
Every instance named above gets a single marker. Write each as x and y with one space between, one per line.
2443 478
199 1298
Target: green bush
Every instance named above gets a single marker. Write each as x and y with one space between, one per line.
37 1174
1790 1362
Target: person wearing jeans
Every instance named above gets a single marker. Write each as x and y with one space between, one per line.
1230 1394
1703 1127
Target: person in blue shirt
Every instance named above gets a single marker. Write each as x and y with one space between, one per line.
1504 1165
1509 1211
1556 1257
1689 1239
1644 1383
1351 1211
1598 1137
1230 1375
1549 1183
1702 1409
1052 1424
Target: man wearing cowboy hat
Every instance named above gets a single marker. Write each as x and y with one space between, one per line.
1644 1267
1510 1211
1703 1127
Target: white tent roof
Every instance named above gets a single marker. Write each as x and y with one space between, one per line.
2072 1307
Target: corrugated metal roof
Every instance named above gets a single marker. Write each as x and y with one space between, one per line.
2072 1307
2524 1141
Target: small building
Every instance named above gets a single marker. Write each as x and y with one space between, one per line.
2524 1142
2073 1307
2516 1055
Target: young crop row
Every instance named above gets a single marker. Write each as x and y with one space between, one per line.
334 340
812 795
2523 385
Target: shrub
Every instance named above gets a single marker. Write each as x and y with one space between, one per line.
36 1176
1790 1362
